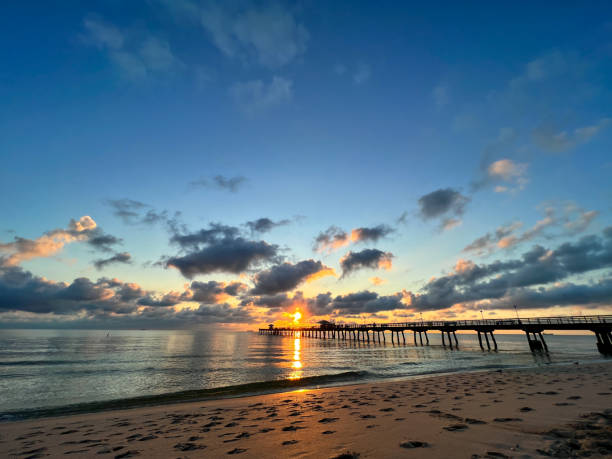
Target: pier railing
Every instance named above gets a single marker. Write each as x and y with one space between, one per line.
601 325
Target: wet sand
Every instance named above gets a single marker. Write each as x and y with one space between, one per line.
560 411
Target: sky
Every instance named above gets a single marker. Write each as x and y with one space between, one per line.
176 164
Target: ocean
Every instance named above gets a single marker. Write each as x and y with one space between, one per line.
46 372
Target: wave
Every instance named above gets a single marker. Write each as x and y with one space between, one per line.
239 390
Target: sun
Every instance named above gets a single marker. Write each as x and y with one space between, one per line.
297 316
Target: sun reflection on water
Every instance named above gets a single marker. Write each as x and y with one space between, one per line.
296 365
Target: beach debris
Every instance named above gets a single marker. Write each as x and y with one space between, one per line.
236 451
289 442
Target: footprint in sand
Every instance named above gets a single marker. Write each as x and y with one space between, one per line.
236 451
329 432
414 444
188 446
525 409
507 420
456 428
289 442
328 420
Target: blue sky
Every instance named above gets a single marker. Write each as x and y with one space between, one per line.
435 125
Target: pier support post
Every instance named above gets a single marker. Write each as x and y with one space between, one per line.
443 343
456 340
421 337
480 340
426 337
414 333
403 337
493 338
392 340
450 341
543 342
487 339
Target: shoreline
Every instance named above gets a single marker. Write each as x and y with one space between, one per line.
253 389
507 412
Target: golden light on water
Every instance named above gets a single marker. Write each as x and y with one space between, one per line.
296 365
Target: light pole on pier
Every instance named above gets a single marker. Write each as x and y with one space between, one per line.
516 310
481 314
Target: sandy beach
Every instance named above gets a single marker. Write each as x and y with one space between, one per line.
560 411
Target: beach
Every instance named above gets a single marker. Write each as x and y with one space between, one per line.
554 410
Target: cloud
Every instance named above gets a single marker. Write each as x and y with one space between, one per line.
138 213
257 96
550 139
511 173
500 281
367 258
364 302
333 237
377 280
287 276
571 220
50 243
221 182
269 35
213 291
20 290
440 95
122 257
27 298
219 249
136 57
445 202
373 234
102 241
362 73
263 225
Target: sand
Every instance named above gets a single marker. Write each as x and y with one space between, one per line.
555 410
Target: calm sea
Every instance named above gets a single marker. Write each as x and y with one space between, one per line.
54 368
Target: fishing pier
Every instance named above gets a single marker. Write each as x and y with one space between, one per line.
533 327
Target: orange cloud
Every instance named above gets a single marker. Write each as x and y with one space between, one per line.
322 273
48 244
377 280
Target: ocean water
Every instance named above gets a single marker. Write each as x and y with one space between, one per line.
42 369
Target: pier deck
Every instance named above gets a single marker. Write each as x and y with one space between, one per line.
533 327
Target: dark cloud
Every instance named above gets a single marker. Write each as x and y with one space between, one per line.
276 301
220 248
108 302
122 257
263 225
364 302
211 291
365 234
231 184
138 213
169 299
20 290
367 258
128 210
286 276
332 238
231 255
444 202
214 234
525 277
103 242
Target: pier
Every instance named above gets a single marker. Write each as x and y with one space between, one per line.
533 327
